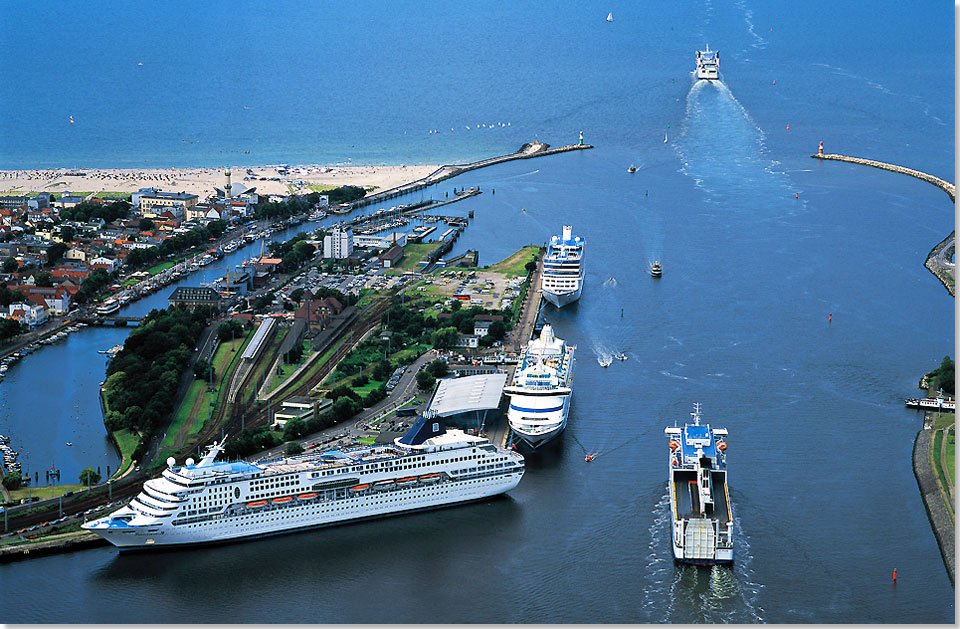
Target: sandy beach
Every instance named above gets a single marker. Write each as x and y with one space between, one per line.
201 181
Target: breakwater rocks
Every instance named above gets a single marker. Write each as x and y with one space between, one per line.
933 500
937 261
946 186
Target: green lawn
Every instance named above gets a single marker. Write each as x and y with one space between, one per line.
413 252
44 492
951 457
514 264
321 187
127 442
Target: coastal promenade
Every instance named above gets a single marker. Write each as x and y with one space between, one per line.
527 151
937 261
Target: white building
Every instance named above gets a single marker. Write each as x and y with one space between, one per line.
383 241
338 243
28 314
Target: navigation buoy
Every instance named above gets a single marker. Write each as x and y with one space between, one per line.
798 195
774 81
894 575
71 119
788 126
830 318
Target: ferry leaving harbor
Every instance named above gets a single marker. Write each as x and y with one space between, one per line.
702 522
540 391
708 64
562 280
430 466
109 307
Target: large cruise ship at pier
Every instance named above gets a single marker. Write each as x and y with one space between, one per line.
540 391
562 280
430 466
702 522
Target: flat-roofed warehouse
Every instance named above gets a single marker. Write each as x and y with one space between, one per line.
465 402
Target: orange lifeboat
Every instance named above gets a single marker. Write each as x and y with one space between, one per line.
308 496
721 445
357 488
282 499
406 481
674 444
430 478
257 503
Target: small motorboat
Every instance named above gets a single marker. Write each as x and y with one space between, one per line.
656 269
588 458
632 169
604 362
69 443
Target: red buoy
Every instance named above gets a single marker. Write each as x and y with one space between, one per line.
894 575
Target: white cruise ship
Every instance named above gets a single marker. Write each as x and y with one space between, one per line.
562 279
540 391
208 501
708 64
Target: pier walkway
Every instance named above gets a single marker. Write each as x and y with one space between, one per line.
936 262
527 151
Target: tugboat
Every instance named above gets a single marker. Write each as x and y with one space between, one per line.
702 520
656 269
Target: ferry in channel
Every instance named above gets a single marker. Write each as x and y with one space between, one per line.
562 280
540 391
430 466
708 64
702 522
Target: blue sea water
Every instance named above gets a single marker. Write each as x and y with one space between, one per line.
759 242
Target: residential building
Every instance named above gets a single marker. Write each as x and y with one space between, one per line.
27 313
338 243
467 340
171 204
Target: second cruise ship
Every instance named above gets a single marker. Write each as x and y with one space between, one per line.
562 280
540 391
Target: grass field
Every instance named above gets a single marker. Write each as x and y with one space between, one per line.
937 467
321 187
514 264
413 252
951 457
127 442
44 492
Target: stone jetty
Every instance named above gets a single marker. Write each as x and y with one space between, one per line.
937 260
527 151
946 186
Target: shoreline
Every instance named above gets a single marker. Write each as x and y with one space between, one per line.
202 181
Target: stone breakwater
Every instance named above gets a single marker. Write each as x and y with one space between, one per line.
936 262
946 186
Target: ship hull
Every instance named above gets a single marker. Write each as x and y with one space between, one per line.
304 516
538 439
562 299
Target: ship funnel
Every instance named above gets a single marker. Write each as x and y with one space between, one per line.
567 233
546 334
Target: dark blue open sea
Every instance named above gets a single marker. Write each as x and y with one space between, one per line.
759 244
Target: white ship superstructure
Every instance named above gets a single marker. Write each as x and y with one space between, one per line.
540 391
562 279
701 518
208 501
708 64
